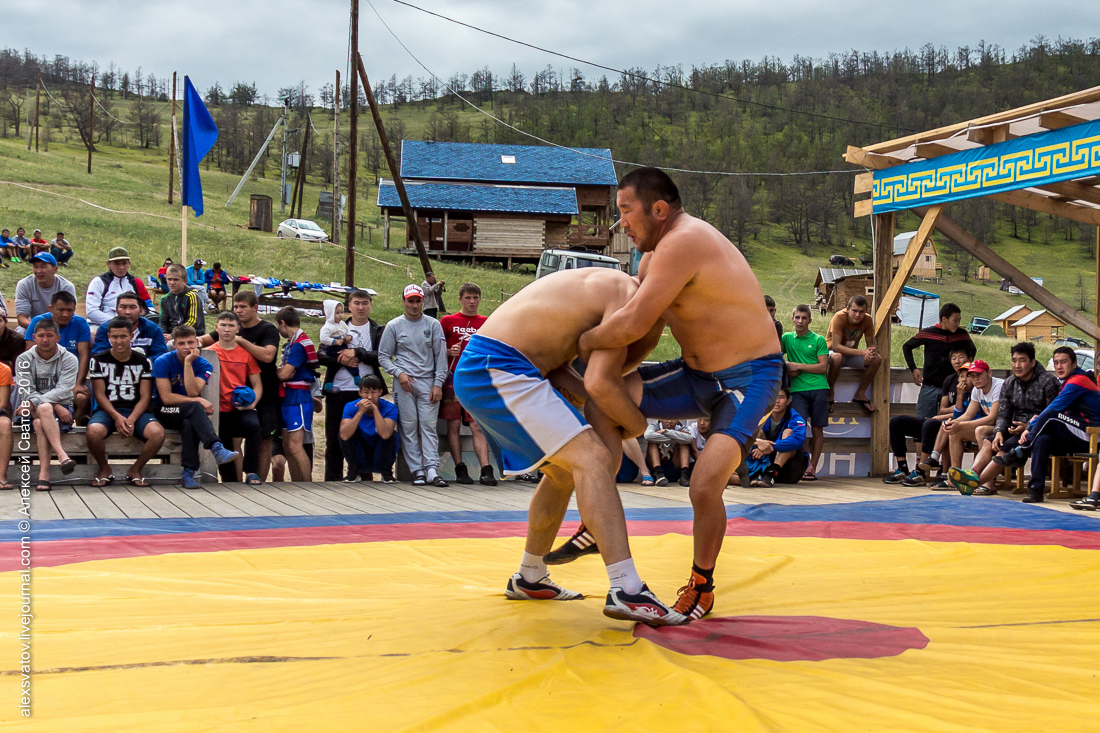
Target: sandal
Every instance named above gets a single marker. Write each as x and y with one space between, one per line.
647 480
68 466
985 491
6 485
865 404
43 486
101 481
139 481
810 474
253 479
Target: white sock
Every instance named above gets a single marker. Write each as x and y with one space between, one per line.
532 568
934 455
623 575
431 475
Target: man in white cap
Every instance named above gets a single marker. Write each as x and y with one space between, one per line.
103 291
414 351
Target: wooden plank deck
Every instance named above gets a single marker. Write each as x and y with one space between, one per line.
295 499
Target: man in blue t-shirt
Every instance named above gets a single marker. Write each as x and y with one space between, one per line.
180 377
297 372
76 338
368 434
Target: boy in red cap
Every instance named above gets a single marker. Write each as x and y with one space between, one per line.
980 417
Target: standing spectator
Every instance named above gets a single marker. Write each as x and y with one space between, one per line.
297 374
7 247
6 439
240 392
769 303
414 352
180 378
39 245
808 360
122 380
978 420
457 330
103 290
34 293
196 280
938 342
147 335
777 456
345 371
12 343
47 375
76 338
368 433
22 245
1061 428
849 326
668 451
433 295
61 250
216 280
181 306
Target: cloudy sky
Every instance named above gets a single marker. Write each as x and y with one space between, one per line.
278 42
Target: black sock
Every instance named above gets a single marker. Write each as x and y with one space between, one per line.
772 470
903 465
708 577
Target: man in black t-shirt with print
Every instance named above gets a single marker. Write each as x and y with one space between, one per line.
122 383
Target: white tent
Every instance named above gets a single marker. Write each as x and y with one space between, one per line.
918 308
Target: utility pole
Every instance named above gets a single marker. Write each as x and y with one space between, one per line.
336 162
91 118
300 177
353 149
37 100
27 114
172 143
282 181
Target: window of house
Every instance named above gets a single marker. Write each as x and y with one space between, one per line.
510 159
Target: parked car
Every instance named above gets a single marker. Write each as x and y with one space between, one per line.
1073 341
553 260
301 229
1086 359
978 325
841 261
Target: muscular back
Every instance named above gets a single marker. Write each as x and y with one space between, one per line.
718 317
545 319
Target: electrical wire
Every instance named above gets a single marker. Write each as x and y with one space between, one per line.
645 78
583 152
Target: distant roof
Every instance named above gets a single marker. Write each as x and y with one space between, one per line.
1032 316
901 242
830 275
1010 312
473 197
483 162
918 293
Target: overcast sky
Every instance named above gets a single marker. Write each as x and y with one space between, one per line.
278 42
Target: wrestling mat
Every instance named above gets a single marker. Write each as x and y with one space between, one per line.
927 614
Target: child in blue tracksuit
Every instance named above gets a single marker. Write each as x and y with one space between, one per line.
778 454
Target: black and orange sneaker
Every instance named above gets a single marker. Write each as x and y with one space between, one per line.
694 603
581 543
519 589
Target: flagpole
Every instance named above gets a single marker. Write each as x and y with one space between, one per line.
183 213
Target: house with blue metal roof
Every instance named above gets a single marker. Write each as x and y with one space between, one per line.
506 202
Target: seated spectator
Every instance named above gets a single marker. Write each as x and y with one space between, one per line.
181 306
667 452
22 245
180 378
850 326
46 376
122 380
808 361
769 303
34 293
196 280
632 466
938 342
335 335
12 343
777 455
368 433
1090 503
699 431
980 417
61 250
39 245
933 442
7 248
297 372
1061 428
1025 394
216 280
147 335
240 392
162 274
103 291
76 338
6 439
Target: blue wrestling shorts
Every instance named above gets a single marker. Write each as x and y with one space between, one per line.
524 419
734 399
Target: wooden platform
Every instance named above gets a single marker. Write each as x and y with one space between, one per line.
296 499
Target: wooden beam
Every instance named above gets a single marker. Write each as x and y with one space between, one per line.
989 135
1047 205
1017 277
859 156
1082 97
865 183
880 389
1058 119
885 305
862 208
1074 191
934 150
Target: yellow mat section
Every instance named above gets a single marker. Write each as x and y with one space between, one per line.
408 636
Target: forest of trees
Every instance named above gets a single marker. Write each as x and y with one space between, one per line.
766 116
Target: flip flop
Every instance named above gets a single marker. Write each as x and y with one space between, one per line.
140 481
253 479
43 486
68 466
101 481
865 404
6 485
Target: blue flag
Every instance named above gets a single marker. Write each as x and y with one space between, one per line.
199 135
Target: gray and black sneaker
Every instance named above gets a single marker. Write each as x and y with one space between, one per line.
916 477
895 478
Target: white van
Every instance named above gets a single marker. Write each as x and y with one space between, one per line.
553 260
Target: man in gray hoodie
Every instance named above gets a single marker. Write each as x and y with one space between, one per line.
46 376
414 351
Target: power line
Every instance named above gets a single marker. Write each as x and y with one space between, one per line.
574 150
673 85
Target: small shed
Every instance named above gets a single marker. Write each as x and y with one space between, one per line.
927 266
1008 319
1042 325
918 308
836 285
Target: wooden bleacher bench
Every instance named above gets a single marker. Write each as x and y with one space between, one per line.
122 450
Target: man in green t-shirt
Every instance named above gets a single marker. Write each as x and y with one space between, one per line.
808 361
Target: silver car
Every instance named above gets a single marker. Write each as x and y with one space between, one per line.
301 229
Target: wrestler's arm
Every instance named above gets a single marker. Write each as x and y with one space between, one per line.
571 385
640 349
605 386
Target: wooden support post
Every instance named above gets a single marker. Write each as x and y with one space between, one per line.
886 304
385 229
172 146
880 390
91 119
37 101
336 162
353 149
445 227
